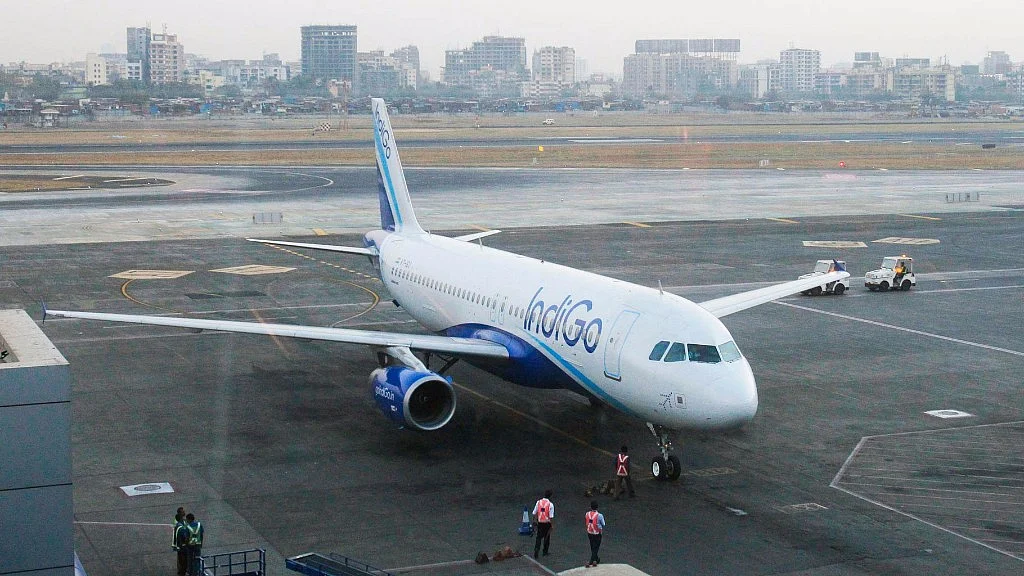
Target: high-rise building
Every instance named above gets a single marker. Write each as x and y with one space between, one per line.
556 64
997 62
680 67
166 59
329 53
408 59
96 71
759 79
379 74
138 52
496 63
866 60
798 67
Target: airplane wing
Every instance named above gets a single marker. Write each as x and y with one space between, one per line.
428 342
476 235
328 247
729 304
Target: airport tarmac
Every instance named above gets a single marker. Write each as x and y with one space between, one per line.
278 444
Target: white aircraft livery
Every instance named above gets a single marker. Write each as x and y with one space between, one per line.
651 354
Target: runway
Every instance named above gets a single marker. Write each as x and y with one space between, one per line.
215 202
760 133
841 472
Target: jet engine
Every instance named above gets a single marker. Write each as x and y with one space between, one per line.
414 399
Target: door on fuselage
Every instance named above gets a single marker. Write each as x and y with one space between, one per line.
616 340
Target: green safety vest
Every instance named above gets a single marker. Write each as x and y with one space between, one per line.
174 532
195 534
181 529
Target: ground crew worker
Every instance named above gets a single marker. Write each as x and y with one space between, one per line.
179 541
195 544
544 512
899 270
622 473
595 527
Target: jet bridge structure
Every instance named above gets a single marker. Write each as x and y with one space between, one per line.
35 452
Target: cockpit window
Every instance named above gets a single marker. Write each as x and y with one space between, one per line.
677 353
729 351
659 350
703 353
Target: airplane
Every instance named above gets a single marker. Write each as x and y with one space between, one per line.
648 353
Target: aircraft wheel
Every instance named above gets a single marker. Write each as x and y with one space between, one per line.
905 285
884 286
816 291
675 468
659 469
839 289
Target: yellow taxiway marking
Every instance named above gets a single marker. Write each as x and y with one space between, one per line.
783 220
151 274
254 270
480 228
533 419
319 232
638 224
921 217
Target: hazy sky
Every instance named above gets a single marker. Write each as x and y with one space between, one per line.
601 32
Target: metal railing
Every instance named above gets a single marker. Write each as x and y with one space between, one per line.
244 562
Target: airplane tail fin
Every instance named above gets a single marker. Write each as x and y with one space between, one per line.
396 212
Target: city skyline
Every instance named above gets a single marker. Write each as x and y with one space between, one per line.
244 30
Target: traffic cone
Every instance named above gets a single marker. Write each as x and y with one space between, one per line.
526 529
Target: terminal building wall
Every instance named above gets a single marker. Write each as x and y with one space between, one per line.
35 452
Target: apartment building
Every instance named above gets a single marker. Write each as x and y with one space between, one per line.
329 53
798 66
166 59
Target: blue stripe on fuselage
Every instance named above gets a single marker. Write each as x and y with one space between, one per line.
529 365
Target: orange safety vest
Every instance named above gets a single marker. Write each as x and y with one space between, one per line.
622 465
592 525
544 510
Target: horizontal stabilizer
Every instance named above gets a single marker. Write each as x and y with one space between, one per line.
432 343
328 247
476 235
731 304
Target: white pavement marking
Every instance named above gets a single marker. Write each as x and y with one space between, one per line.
254 270
908 241
69 177
900 508
904 329
123 523
834 244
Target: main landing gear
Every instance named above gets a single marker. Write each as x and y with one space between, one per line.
666 466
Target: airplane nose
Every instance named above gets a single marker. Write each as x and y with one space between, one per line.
741 405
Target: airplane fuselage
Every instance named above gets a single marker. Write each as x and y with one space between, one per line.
567 328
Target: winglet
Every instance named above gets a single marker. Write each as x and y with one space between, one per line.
42 304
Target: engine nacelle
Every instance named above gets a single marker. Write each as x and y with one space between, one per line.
419 400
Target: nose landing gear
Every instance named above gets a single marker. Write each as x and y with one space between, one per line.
666 466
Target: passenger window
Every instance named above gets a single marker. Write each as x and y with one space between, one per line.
677 353
703 353
659 351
